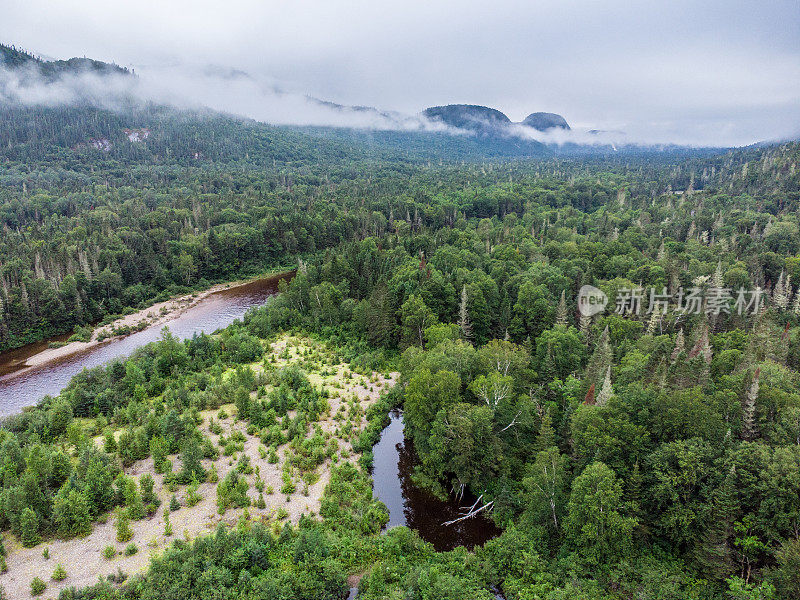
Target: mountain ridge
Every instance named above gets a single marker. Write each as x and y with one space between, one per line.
53 69
487 121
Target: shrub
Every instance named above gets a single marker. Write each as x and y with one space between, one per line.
131 549
192 497
288 486
167 524
146 483
82 334
60 573
109 552
38 586
123 527
119 577
232 492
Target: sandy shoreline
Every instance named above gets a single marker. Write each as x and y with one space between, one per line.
155 315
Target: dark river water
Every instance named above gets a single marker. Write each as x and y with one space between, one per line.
21 389
410 506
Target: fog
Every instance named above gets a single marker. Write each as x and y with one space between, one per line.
710 73
188 88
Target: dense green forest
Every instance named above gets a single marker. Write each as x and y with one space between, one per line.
629 454
95 231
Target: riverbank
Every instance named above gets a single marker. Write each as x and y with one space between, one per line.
156 315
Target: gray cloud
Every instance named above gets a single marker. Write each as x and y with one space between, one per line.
709 72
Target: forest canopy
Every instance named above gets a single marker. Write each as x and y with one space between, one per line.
647 454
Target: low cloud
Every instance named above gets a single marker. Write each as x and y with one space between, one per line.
217 88
236 92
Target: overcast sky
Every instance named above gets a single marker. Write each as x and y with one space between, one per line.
704 72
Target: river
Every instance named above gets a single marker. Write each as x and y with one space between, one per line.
20 387
393 464
394 455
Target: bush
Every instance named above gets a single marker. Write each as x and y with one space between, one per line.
146 483
131 549
348 503
123 527
109 552
192 497
82 334
119 577
232 492
37 587
167 523
60 573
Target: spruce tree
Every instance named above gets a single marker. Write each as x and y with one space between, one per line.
749 425
463 315
29 527
561 311
546 437
600 360
606 390
123 527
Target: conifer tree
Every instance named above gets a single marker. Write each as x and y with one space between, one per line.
652 324
779 297
584 326
600 360
547 435
29 527
561 311
717 280
463 315
713 552
749 426
589 398
606 390
123 527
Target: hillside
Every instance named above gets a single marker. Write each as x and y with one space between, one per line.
480 119
542 121
14 58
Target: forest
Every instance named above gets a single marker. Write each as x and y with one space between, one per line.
650 454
